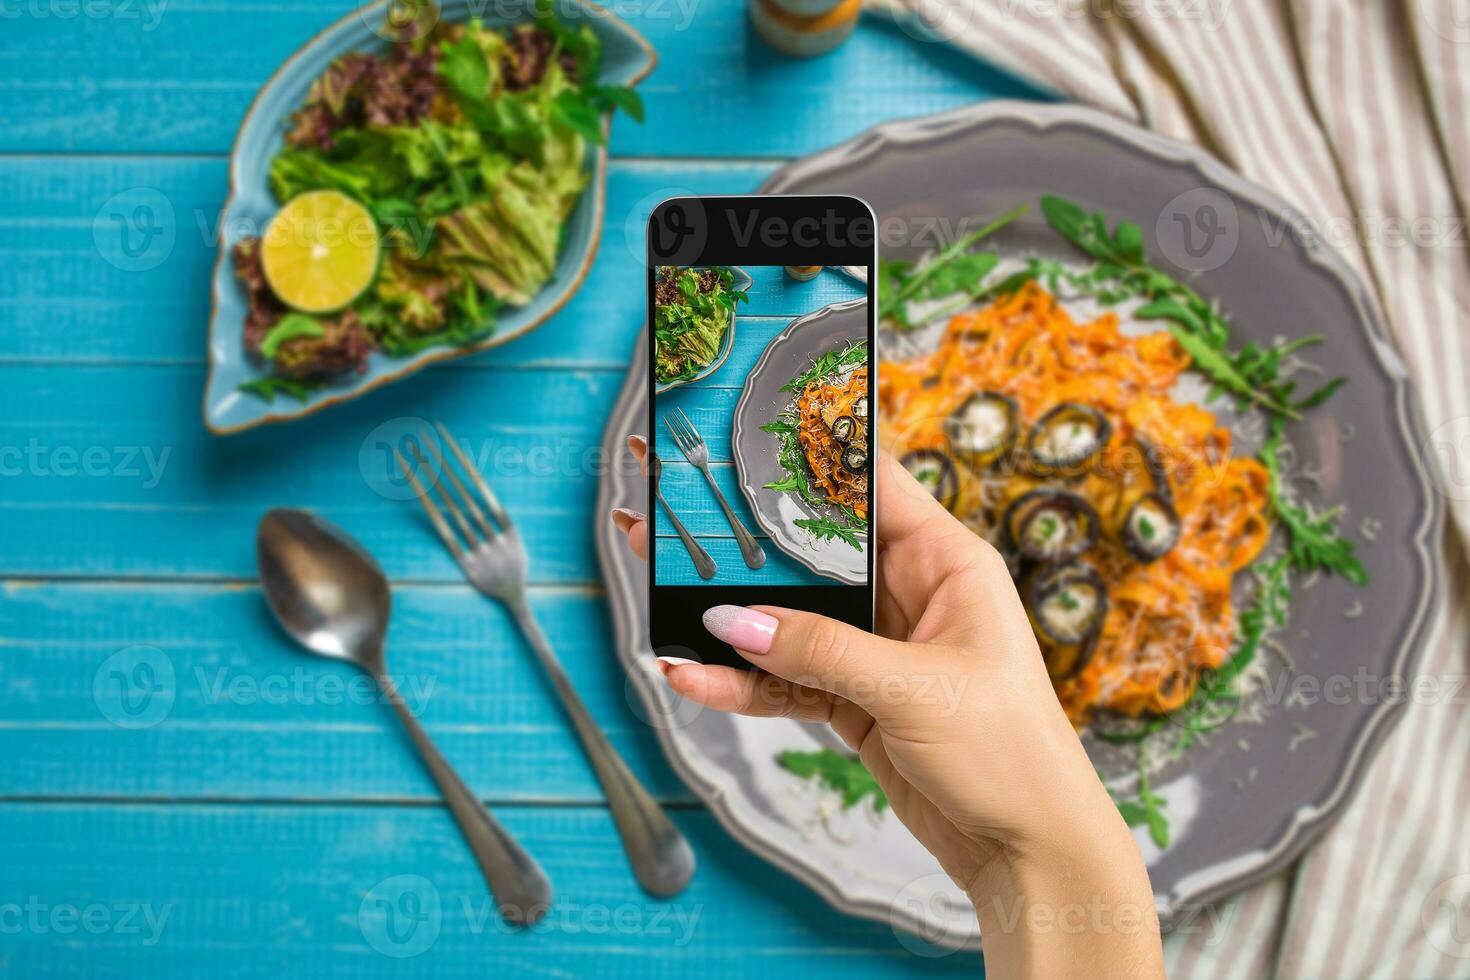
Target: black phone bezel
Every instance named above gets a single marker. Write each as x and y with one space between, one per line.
828 230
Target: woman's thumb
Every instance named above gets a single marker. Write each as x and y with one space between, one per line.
818 652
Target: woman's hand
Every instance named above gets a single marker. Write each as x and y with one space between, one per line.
952 711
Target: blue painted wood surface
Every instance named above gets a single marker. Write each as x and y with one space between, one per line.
709 404
167 753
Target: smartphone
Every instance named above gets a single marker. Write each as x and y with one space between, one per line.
761 357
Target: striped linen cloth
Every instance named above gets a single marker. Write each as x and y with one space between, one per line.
1358 113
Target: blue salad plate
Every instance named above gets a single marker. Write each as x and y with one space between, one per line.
626 59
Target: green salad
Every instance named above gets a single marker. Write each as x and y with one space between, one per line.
467 146
693 308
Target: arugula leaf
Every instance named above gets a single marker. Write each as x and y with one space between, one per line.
574 111
609 97
1313 539
845 775
289 327
1218 367
825 529
272 385
829 364
1147 809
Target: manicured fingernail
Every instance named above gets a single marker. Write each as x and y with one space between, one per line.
742 628
638 444
625 518
663 664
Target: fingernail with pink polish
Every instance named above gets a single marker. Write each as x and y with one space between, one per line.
663 664
742 628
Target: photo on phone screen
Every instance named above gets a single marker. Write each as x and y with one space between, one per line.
761 422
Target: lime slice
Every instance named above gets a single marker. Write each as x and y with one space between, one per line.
320 252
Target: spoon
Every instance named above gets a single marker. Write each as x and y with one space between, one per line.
332 598
703 563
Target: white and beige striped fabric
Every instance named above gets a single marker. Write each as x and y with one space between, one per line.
1357 112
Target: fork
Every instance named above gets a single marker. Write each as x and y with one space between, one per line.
692 445
489 551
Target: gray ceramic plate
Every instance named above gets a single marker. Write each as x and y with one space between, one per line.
756 453
1247 802
742 282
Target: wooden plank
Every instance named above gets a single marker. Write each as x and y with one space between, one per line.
69 300
189 691
292 891
108 472
718 90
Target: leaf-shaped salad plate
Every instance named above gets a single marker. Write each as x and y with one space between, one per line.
626 59
741 284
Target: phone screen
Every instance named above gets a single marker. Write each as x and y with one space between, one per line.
761 362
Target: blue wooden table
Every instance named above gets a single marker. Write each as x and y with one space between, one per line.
181 792
775 300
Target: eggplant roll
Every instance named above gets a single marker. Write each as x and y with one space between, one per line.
855 458
984 429
950 483
1067 605
1050 524
1066 439
844 429
1149 528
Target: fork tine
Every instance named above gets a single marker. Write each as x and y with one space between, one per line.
436 518
698 439
674 431
438 486
463 495
492 502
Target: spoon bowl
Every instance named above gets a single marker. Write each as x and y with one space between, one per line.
326 592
